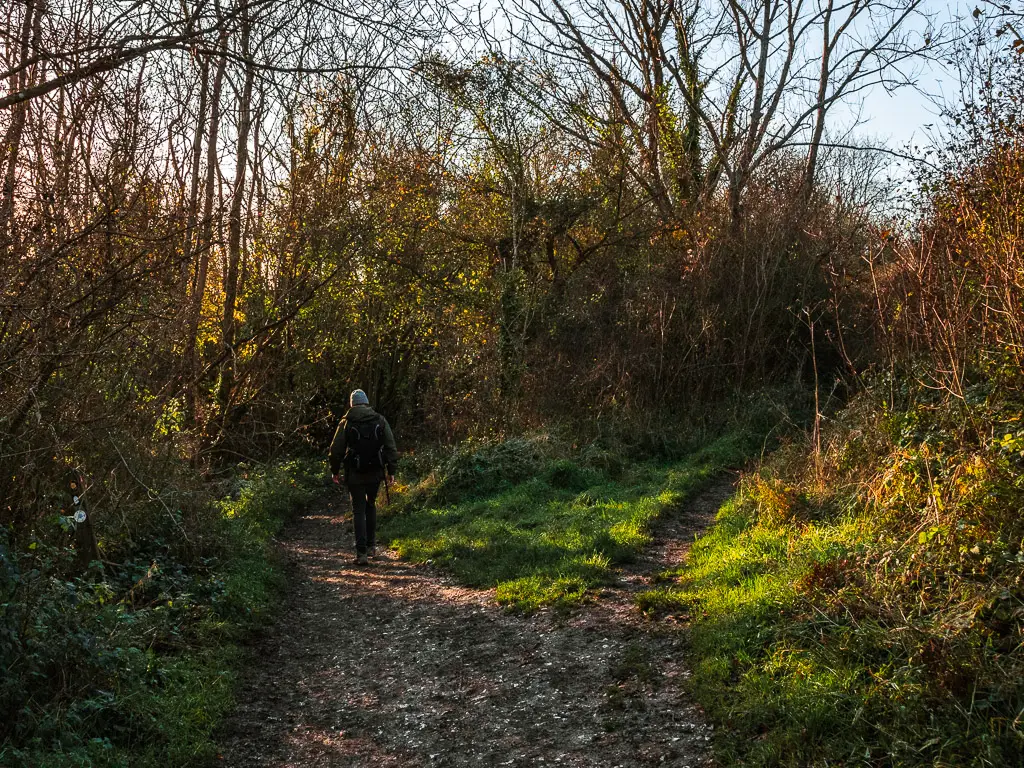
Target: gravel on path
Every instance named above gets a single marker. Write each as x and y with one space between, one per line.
396 665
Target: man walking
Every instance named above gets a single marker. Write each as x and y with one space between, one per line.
365 445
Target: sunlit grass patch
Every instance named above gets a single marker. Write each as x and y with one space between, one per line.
531 592
552 537
864 610
739 589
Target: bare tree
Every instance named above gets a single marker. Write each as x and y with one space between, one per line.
712 90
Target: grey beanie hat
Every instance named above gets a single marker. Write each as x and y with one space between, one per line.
358 397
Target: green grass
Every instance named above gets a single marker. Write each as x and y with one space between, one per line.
739 589
552 533
867 611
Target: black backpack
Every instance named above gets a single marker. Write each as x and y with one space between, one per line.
364 445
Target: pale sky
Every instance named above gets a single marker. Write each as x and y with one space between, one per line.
899 118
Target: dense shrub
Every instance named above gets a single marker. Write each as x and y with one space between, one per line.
952 292
865 604
131 663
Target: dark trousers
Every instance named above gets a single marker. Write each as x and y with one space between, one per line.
364 514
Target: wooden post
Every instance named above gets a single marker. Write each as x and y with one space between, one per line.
85 536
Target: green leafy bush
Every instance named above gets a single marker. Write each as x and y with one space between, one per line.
482 467
132 664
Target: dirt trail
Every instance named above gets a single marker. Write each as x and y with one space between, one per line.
395 665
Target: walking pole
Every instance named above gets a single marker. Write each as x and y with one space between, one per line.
387 489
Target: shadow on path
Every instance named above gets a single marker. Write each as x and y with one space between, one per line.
395 665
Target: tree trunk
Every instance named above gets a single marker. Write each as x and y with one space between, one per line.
192 215
811 168
12 140
235 226
205 243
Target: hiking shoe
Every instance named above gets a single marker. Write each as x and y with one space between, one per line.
361 560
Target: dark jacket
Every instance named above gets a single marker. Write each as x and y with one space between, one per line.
359 414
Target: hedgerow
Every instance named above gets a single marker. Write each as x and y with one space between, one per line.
131 663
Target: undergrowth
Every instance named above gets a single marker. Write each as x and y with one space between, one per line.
864 606
541 523
132 663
